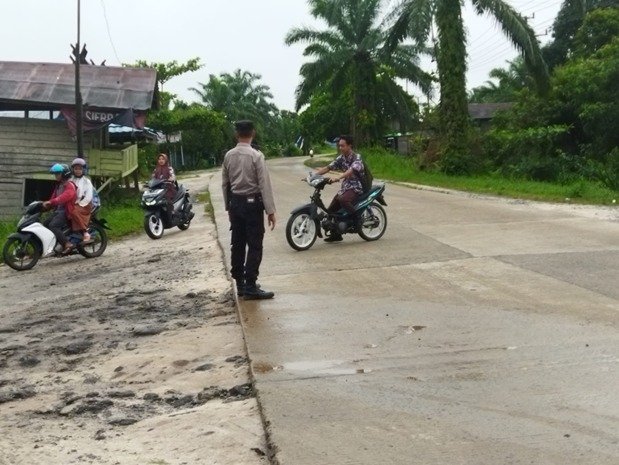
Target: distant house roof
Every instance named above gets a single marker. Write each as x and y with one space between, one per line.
50 86
487 110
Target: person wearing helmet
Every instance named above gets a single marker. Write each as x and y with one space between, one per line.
62 201
80 217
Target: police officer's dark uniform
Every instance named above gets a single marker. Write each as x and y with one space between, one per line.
248 195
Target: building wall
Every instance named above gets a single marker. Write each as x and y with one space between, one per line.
28 147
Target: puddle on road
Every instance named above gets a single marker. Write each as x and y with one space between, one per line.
314 367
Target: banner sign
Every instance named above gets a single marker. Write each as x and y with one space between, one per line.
95 118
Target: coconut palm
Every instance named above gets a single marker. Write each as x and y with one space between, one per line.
349 60
511 80
415 18
237 96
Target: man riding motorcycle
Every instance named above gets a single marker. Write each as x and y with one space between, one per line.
351 166
63 201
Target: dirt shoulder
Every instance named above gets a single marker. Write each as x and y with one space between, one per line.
135 357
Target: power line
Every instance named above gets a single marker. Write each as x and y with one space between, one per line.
107 25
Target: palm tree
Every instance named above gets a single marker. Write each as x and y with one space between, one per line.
511 80
349 60
238 96
415 18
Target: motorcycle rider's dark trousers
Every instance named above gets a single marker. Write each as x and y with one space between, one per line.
56 223
345 200
247 226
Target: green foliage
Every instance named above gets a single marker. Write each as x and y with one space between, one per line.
206 134
123 219
7 228
389 166
165 72
238 96
572 134
292 150
453 111
414 19
353 66
147 158
598 29
529 153
569 19
511 81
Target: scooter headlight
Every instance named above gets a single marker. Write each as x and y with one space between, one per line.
154 193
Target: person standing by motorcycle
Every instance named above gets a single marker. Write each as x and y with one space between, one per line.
80 217
351 167
247 195
63 202
164 171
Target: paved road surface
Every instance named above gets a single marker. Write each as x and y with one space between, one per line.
476 331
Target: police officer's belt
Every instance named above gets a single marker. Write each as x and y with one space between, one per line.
248 197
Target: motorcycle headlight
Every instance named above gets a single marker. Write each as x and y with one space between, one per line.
151 194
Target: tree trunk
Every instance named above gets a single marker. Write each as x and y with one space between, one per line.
451 64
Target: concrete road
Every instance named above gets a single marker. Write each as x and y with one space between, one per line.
476 331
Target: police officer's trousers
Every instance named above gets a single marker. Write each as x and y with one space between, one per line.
247 226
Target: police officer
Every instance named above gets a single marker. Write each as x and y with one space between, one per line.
247 195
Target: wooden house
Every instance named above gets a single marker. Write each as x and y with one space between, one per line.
29 145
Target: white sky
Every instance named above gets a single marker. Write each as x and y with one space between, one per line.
224 34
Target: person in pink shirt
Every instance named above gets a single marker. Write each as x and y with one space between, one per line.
63 202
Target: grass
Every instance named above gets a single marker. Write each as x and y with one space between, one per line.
122 219
392 167
205 197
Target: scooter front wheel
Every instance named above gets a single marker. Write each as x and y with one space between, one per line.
301 231
153 225
21 255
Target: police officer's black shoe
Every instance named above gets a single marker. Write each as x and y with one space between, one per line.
240 288
253 292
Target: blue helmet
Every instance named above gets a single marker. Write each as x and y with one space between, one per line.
61 168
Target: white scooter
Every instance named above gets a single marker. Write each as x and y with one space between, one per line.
33 240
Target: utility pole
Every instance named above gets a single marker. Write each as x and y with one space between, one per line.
78 92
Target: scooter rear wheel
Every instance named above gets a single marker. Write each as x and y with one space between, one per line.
98 244
373 222
153 225
184 226
20 255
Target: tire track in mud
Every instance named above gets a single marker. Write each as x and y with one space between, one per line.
83 311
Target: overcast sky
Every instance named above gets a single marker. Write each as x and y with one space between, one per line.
224 34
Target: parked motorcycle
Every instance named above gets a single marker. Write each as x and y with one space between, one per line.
307 222
33 241
158 216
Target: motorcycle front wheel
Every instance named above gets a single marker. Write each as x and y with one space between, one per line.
153 225
98 244
21 255
373 222
301 231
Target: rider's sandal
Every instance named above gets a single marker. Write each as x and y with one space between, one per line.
68 249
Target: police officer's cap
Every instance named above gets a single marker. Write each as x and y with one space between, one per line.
244 126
